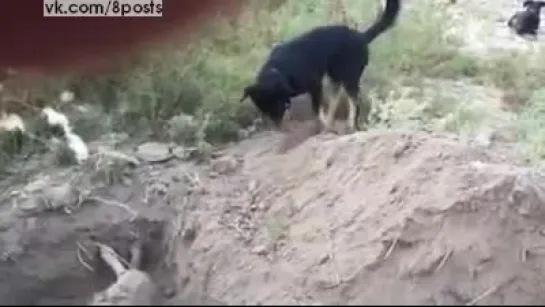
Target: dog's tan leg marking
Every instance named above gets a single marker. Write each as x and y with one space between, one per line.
352 108
322 116
332 109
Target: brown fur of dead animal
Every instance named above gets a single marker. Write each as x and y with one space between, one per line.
133 287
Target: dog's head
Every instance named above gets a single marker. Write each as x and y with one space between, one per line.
271 95
533 6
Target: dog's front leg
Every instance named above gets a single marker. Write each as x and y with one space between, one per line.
317 107
322 116
333 105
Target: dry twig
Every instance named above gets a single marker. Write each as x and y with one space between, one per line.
444 260
490 291
80 258
114 203
390 249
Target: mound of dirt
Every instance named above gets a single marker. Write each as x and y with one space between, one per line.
370 218
381 217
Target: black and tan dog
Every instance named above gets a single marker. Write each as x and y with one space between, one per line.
298 65
527 21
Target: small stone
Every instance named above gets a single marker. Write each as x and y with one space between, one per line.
27 204
252 186
260 250
401 149
168 292
62 196
325 258
154 152
180 152
119 156
484 138
224 165
243 134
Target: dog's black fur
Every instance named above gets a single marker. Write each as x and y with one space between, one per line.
527 21
297 66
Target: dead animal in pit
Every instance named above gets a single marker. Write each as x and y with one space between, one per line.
132 286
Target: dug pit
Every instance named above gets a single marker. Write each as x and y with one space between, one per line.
49 227
49 259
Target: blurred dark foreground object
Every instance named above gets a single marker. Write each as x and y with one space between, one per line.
34 43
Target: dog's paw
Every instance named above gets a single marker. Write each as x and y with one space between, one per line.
327 130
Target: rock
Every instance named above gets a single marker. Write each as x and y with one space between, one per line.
180 152
243 134
225 165
119 156
252 186
168 292
324 259
62 196
260 250
484 138
27 204
154 152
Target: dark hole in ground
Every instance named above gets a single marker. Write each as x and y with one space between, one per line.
46 269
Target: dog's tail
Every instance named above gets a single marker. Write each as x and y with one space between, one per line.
386 20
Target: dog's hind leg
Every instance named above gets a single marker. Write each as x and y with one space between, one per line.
355 111
333 105
322 116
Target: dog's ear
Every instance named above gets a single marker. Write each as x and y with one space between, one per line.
248 92
527 3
